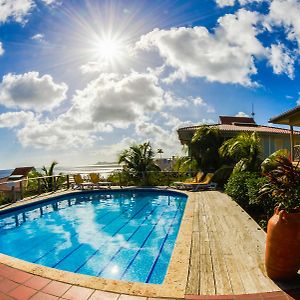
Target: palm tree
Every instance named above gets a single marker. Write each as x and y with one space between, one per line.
204 147
138 159
48 182
244 150
160 152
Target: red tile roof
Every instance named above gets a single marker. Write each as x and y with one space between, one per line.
245 128
231 120
21 171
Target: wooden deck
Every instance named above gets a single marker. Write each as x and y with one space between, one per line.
227 252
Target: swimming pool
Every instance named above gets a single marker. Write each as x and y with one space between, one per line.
124 235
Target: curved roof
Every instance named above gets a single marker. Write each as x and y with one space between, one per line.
239 128
290 117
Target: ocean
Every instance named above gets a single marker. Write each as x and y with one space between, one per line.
104 169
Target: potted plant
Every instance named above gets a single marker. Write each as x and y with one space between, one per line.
282 258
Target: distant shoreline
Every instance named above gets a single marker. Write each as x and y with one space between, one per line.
102 168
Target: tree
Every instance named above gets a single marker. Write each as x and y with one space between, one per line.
244 150
160 152
48 182
204 147
138 159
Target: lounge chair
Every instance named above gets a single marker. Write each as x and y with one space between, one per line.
79 182
96 180
206 183
196 179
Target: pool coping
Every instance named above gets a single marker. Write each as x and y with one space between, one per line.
175 280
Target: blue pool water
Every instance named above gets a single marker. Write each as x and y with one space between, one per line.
124 235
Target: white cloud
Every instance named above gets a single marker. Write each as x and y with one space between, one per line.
15 119
174 122
38 37
242 114
118 100
282 60
223 3
94 67
49 2
16 10
30 91
195 52
49 135
108 102
286 13
111 152
1 49
159 137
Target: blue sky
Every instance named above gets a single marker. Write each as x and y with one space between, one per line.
82 80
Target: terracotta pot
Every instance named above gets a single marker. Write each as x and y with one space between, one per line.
283 245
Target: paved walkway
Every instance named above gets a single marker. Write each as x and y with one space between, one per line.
226 262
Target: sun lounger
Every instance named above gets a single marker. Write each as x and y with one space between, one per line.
196 179
79 183
96 180
206 183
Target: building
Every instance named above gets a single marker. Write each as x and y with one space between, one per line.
272 138
291 118
14 179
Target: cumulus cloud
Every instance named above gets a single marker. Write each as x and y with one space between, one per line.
16 10
48 135
94 67
1 49
118 100
174 122
286 13
159 137
223 3
109 101
195 52
282 60
242 114
30 91
48 2
15 119
38 37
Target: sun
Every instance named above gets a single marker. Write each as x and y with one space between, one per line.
109 49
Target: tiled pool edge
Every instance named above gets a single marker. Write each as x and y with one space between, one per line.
173 286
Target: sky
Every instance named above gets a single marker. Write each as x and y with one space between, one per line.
81 80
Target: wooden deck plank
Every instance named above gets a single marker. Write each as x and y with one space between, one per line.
194 267
229 249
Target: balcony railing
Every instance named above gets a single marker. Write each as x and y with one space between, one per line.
14 190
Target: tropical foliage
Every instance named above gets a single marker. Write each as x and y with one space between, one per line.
138 160
183 164
270 163
47 182
244 150
204 147
283 184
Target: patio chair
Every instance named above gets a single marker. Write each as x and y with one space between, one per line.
206 183
96 180
79 182
196 179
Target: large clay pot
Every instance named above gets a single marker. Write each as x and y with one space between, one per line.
283 245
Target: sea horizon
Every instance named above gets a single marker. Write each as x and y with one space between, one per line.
104 168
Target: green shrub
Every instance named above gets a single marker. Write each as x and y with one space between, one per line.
222 175
237 188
